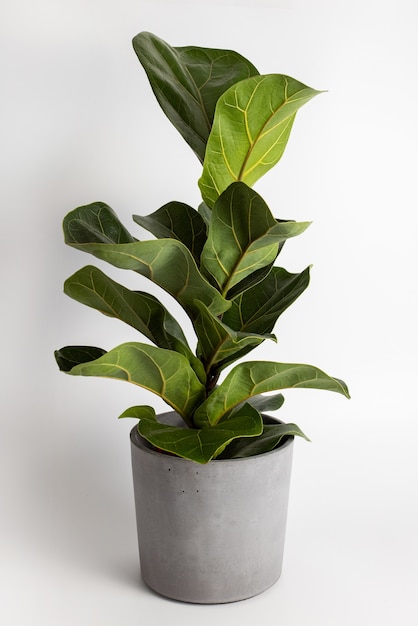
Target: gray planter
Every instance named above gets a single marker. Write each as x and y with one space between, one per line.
210 533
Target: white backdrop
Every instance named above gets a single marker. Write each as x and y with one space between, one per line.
79 123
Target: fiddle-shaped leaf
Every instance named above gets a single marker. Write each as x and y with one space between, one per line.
69 356
166 373
272 436
179 221
218 344
254 377
252 124
199 445
251 280
267 403
141 310
188 81
243 237
257 309
167 262
140 412
95 222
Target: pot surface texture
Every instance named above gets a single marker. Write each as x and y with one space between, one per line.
210 533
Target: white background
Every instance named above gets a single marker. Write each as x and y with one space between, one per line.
79 123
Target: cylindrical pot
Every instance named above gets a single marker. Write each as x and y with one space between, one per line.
210 533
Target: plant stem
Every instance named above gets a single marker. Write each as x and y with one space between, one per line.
211 381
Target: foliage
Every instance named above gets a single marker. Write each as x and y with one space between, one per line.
218 262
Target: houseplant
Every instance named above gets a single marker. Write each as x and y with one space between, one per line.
218 262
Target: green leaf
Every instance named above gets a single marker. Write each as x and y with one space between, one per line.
142 311
267 403
252 124
201 445
218 344
243 237
206 213
164 372
179 221
139 412
257 309
254 377
154 259
69 356
188 81
251 280
272 436
95 222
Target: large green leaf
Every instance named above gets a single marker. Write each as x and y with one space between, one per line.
252 124
69 356
255 377
257 309
180 221
272 436
243 237
188 81
164 372
95 222
200 445
251 280
267 403
141 310
139 412
169 264
154 259
218 344
206 213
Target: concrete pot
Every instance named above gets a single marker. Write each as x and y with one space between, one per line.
210 533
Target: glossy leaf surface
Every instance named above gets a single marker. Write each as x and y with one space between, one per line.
257 309
140 412
201 445
205 212
252 124
267 403
141 310
272 436
155 259
164 372
188 81
179 221
254 377
243 237
218 344
69 356
95 222
251 280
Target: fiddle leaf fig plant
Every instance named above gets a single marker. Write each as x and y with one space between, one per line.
217 261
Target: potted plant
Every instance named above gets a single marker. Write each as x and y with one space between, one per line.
211 475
